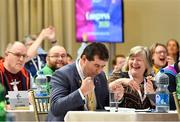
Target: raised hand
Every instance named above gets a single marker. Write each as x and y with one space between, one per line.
149 85
48 33
170 60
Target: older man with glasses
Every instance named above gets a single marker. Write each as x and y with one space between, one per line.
12 67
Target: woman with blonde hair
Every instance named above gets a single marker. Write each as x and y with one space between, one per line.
134 83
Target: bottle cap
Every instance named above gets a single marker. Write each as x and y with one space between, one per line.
162 79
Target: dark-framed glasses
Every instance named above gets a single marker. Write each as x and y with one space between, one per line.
18 54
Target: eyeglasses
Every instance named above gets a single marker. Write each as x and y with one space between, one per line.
18 54
160 52
58 56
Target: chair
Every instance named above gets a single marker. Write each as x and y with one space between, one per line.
177 102
41 105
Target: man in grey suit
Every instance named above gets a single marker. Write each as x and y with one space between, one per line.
72 83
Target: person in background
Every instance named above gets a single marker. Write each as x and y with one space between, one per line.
135 83
159 57
38 61
118 63
56 58
69 59
81 85
12 67
173 51
37 56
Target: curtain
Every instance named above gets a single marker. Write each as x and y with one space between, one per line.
22 17
19 18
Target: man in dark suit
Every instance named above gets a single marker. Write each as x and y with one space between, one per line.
72 83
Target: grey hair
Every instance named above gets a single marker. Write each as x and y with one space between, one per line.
10 46
145 52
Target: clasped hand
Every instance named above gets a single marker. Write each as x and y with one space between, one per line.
87 86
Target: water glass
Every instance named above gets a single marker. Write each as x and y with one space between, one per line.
114 102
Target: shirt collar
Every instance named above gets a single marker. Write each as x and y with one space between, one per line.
79 69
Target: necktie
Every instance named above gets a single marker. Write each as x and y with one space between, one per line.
91 104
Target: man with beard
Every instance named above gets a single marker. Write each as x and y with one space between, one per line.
56 58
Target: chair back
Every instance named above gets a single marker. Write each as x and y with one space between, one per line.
177 103
41 105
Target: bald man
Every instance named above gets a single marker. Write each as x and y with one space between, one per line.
12 67
56 58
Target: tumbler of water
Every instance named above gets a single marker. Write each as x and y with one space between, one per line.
114 102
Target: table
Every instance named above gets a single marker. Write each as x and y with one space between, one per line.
24 115
90 116
21 115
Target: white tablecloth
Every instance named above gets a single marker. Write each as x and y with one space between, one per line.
90 116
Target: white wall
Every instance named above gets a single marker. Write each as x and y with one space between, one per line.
149 21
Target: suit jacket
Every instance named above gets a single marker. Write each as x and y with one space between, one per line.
65 95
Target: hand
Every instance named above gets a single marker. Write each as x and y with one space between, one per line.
149 85
87 86
170 60
118 89
48 33
134 85
128 82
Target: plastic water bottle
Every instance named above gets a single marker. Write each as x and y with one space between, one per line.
41 85
162 93
178 85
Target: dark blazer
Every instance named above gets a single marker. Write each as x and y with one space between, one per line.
65 95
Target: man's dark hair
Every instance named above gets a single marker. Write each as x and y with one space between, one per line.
96 49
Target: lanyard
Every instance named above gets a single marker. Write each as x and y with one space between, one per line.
38 65
142 98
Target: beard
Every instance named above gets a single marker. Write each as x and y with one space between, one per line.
55 66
